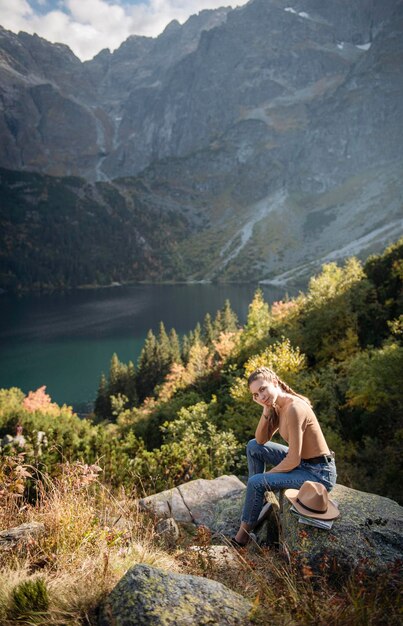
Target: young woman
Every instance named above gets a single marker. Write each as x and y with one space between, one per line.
307 456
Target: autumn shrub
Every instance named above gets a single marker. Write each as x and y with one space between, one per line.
66 436
145 422
256 332
13 481
327 326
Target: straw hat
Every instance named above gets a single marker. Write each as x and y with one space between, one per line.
312 500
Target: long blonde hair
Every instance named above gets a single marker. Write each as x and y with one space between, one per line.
267 374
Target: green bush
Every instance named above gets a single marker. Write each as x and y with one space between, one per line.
193 448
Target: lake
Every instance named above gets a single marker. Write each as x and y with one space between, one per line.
66 340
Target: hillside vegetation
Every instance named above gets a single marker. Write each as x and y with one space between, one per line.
59 233
184 412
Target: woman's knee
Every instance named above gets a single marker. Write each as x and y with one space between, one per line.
252 447
259 482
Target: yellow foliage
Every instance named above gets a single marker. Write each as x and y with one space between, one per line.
180 377
200 360
177 378
282 310
346 346
225 344
375 379
333 281
285 360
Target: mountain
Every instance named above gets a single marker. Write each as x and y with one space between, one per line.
270 130
63 117
58 233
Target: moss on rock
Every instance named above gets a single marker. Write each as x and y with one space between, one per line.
148 596
368 533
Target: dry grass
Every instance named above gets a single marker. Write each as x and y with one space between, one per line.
283 595
94 536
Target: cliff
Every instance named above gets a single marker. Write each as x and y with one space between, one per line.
271 128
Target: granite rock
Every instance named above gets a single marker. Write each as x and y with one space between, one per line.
168 531
369 533
20 534
147 596
197 501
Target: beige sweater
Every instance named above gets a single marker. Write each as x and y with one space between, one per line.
300 428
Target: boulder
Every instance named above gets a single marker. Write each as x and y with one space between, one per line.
168 531
217 557
147 596
268 532
368 533
196 501
23 533
224 518
216 504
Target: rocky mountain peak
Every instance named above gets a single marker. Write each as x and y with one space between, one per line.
171 28
267 125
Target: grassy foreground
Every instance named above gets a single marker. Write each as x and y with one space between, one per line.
93 536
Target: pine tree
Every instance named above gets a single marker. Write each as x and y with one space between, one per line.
148 367
130 387
175 346
102 407
199 361
164 352
217 324
186 345
208 330
197 334
229 323
117 371
256 331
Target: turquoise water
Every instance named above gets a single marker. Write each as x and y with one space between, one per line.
65 341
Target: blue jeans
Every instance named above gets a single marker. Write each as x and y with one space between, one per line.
260 481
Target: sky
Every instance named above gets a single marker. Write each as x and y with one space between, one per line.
88 26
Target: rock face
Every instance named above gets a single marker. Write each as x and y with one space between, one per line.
171 95
272 127
369 529
369 532
20 534
63 117
197 501
168 531
147 596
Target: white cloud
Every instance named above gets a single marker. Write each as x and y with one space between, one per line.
14 13
87 26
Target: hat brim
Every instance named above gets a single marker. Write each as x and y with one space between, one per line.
331 513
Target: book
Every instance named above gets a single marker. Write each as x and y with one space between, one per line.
312 521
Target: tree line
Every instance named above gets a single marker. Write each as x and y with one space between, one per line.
159 353
183 410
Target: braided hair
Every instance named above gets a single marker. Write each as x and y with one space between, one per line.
267 374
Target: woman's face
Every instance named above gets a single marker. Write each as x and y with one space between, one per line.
264 391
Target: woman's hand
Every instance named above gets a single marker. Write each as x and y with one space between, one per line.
265 404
